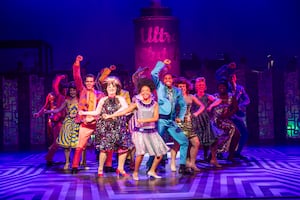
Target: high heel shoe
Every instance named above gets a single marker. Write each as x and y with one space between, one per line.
122 173
152 175
66 166
173 168
100 172
195 169
215 164
135 177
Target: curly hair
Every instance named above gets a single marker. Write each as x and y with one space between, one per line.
145 82
182 80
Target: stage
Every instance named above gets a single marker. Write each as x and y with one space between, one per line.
269 172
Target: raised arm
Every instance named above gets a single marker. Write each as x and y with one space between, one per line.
157 69
136 75
55 84
106 72
76 73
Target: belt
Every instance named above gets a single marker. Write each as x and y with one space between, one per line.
145 130
161 116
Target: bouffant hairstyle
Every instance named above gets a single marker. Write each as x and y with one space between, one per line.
145 82
182 80
112 80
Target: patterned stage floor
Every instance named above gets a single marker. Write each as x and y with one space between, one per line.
268 173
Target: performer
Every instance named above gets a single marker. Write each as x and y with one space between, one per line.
222 114
145 136
238 119
54 100
101 78
68 135
187 126
170 98
111 134
203 124
88 100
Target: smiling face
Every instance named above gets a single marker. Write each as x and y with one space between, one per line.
200 86
89 83
145 92
168 80
72 92
111 90
183 88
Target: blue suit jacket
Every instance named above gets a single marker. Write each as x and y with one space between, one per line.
165 106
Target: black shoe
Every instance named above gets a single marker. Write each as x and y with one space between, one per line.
49 163
237 155
74 170
220 156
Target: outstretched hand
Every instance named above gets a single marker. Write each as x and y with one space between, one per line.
106 116
80 112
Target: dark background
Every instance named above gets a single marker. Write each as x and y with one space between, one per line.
102 30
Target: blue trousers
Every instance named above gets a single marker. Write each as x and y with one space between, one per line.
241 126
177 134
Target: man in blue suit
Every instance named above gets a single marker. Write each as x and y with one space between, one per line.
170 99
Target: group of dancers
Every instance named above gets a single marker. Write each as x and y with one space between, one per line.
132 127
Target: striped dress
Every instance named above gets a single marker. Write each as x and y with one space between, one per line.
68 135
202 124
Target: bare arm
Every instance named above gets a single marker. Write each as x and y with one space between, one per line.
121 113
55 84
123 103
95 112
63 105
200 104
105 73
215 101
41 111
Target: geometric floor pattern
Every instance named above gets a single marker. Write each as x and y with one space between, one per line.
267 173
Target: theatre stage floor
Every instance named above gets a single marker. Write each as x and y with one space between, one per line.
269 172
